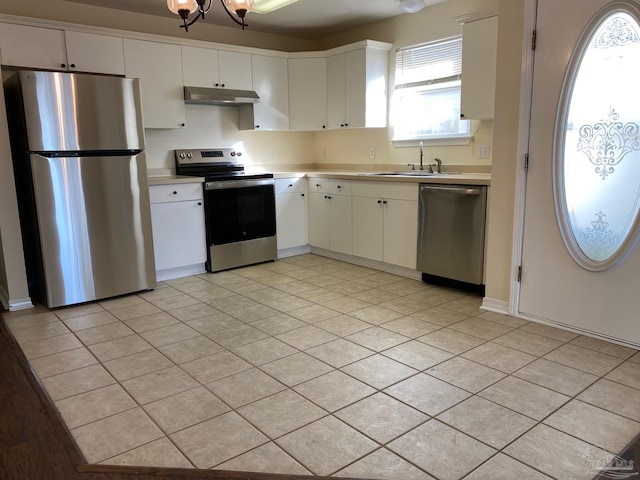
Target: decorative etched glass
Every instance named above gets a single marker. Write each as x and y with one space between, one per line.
597 150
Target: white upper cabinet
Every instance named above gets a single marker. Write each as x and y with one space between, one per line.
307 94
159 68
270 81
51 49
479 54
357 88
205 67
32 47
200 67
89 52
235 70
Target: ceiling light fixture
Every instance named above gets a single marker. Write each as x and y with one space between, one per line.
184 8
412 6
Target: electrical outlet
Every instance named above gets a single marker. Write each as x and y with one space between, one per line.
483 151
372 152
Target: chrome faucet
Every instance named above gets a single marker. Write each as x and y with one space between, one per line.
421 155
439 166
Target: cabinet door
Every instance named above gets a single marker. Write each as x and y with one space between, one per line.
400 240
336 90
235 70
159 68
291 220
340 234
355 88
178 234
200 67
32 47
307 94
479 54
319 220
368 215
270 81
88 52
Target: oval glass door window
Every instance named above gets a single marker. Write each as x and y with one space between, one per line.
597 142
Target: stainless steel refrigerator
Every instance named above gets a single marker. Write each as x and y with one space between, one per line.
78 152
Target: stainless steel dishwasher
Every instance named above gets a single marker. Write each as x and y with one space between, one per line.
451 234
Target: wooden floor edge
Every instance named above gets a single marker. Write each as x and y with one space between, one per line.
88 471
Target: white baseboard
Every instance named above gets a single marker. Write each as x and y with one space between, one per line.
13 304
293 251
365 262
493 305
581 331
179 272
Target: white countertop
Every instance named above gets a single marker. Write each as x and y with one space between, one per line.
447 178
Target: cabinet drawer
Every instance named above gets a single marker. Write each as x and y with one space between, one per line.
389 190
340 187
320 185
290 185
175 192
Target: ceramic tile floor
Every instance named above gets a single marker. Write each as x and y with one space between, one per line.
313 366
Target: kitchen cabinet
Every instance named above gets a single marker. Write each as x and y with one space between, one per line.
385 222
53 49
88 52
32 47
206 67
307 94
270 81
330 215
291 212
479 54
159 68
177 219
357 88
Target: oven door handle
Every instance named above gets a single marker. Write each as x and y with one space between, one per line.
226 184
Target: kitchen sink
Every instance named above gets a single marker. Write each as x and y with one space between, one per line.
410 173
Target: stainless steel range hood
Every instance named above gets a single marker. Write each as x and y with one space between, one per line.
219 96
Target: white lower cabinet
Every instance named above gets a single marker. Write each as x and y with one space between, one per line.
330 215
179 240
291 212
385 222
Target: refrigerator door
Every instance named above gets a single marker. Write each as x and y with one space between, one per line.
80 112
94 226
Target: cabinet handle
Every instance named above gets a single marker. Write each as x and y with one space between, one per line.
182 124
462 115
73 65
175 193
339 187
324 126
302 194
384 202
290 185
342 124
318 185
63 65
379 202
222 85
217 84
199 203
257 126
346 124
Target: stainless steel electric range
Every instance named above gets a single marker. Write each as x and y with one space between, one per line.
240 211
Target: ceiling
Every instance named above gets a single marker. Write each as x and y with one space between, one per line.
308 19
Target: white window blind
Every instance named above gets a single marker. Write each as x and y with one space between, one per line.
434 62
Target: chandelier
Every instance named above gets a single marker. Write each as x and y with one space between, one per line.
185 8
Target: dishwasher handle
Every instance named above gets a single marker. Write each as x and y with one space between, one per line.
458 190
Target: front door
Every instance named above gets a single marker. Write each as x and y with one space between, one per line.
580 266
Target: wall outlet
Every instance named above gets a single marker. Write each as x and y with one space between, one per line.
372 152
483 151
324 152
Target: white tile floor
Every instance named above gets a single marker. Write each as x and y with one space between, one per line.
313 366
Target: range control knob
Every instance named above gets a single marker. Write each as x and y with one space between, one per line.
239 154
233 154
182 155
189 155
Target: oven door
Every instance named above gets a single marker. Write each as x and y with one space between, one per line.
240 210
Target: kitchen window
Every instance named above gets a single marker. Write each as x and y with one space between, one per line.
426 100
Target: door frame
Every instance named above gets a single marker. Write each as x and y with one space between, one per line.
524 124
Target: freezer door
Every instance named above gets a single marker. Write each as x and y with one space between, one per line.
94 223
81 112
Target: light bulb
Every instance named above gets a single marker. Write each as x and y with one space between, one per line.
176 5
412 6
235 5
